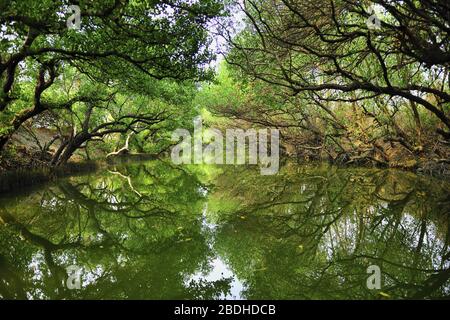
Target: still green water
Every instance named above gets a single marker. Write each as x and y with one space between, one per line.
154 231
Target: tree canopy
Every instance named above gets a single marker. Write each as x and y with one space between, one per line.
123 45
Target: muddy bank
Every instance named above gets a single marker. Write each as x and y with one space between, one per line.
439 168
434 162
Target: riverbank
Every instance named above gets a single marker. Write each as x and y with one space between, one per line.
22 169
22 164
433 161
11 180
29 177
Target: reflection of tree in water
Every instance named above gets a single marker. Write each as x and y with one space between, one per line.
130 244
136 231
312 233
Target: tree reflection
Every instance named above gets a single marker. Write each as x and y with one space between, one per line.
130 244
138 231
312 233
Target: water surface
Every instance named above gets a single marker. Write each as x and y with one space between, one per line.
155 231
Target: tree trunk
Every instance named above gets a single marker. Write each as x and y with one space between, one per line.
122 151
17 122
67 154
58 152
3 140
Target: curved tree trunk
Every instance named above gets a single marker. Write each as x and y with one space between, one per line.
122 151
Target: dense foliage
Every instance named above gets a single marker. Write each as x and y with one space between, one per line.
348 81
340 87
124 67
